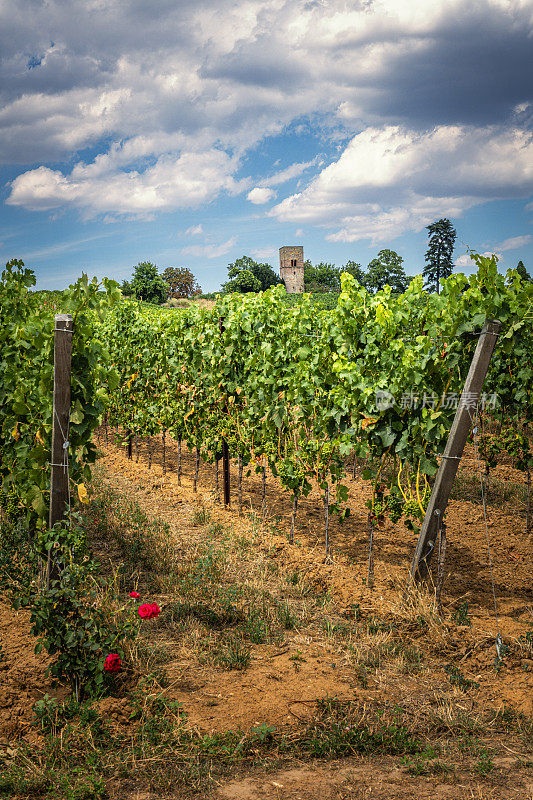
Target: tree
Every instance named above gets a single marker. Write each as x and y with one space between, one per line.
356 270
323 277
439 264
386 270
243 283
264 275
522 271
147 283
126 289
181 282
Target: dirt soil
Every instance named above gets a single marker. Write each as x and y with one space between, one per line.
266 693
282 681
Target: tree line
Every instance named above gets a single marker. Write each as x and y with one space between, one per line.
246 275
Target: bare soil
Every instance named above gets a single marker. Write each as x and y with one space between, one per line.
283 680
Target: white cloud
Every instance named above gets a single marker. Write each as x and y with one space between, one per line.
264 253
391 180
514 243
194 230
261 195
465 261
210 250
186 181
288 174
155 86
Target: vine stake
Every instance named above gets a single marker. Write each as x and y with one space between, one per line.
196 469
240 485
370 579
59 477
454 450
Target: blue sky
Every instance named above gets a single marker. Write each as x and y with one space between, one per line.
190 133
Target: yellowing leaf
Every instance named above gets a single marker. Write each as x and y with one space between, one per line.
15 432
39 438
82 493
368 421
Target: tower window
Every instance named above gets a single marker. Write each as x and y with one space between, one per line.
293 262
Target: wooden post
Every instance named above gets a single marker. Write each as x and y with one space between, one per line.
196 469
225 473
454 450
370 528
59 477
326 512
263 489
225 451
240 485
293 516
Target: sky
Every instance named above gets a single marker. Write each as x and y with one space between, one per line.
192 132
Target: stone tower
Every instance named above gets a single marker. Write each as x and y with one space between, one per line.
291 268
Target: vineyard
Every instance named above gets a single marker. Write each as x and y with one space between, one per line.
301 392
289 452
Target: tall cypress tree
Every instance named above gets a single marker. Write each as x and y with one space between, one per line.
439 264
522 271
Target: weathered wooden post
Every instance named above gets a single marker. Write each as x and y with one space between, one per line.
59 475
240 485
225 451
454 450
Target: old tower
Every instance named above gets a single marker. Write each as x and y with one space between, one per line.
291 268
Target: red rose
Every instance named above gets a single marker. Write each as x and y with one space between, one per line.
149 610
155 610
135 595
112 663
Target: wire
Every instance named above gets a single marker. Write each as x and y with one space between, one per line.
65 464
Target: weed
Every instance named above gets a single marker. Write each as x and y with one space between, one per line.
485 763
263 732
286 618
340 629
411 659
419 766
293 577
337 731
233 654
377 625
201 517
460 617
456 678
215 529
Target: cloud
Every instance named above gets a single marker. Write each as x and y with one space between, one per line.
514 243
391 180
186 181
465 261
194 230
151 88
261 195
288 174
210 250
264 253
